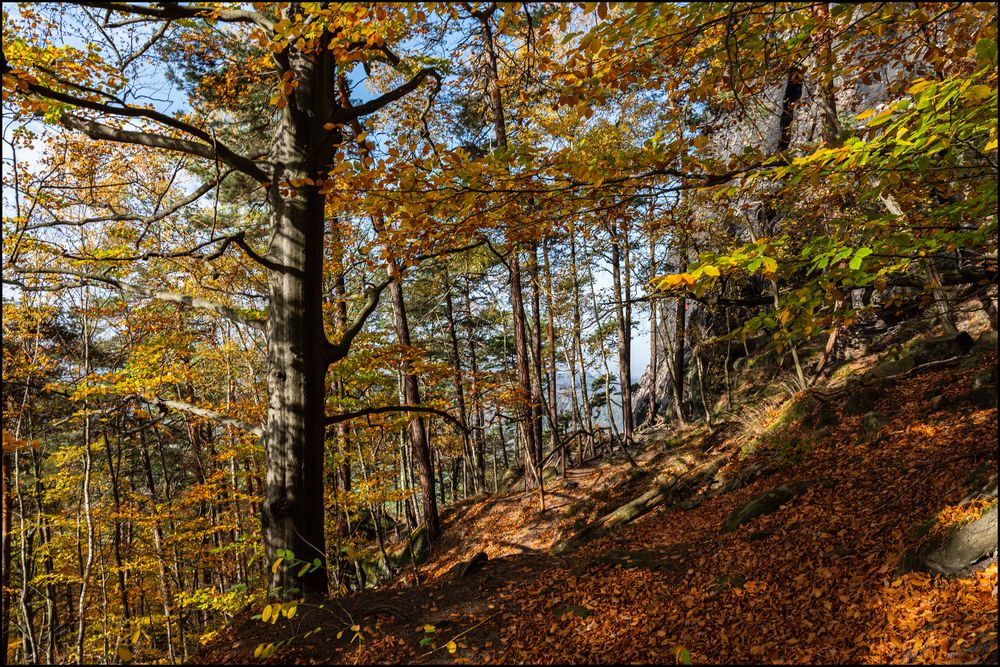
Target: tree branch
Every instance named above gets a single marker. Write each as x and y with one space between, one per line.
191 198
227 312
178 11
353 414
346 114
207 414
96 130
336 352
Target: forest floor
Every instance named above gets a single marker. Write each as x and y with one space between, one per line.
814 581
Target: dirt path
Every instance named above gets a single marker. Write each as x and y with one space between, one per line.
812 582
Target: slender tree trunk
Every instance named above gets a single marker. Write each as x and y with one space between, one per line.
578 342
479 427
7 510
526 413
158 546
623 320
553 372
456 364
418 433
653 348
87 513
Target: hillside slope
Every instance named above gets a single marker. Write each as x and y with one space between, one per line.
880 471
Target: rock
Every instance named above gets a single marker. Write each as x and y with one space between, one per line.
985 378
512 475
942 347
988 339
965 546
418 545
890 368
766 503
460 570
872 423
982 397
938 402
549 472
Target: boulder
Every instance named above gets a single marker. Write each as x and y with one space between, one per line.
512 475
463 569
893 367
965 546
942 347
549 472
988 340
766 503
980 397
418 547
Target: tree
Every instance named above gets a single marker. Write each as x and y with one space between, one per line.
305 48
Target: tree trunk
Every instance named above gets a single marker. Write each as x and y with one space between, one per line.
456 364
623 320
578 342
418 432
479 428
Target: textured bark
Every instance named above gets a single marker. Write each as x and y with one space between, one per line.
7 508
578 343
296 342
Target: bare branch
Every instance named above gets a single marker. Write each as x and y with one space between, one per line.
96 130
240 240
354 414
178 11
194 196
336 352
207 414
345 114
227 312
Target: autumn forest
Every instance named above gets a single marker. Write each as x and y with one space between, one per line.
499 332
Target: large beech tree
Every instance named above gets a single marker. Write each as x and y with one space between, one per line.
309 46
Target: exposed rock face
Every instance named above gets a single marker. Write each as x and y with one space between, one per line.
733 135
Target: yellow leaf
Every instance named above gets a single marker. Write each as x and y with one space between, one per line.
257 651
868 113
710 270
266 614
124 654
135 636
429 628
291 611
355 628
919 85
451 646
991 145
303 569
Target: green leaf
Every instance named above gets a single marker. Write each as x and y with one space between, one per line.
859 255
